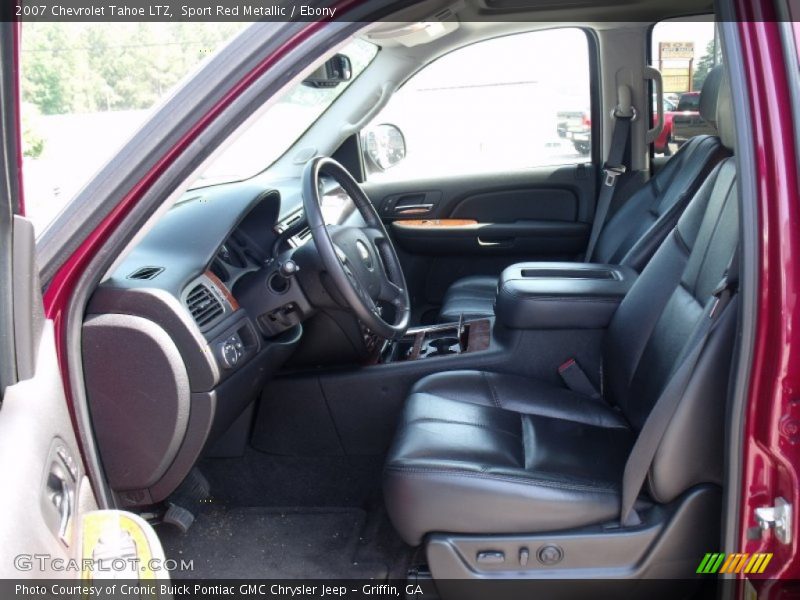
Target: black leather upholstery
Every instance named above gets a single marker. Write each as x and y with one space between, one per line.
473 297
484 453
552 295
636 230
459 466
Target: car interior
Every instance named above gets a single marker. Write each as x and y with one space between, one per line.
336 369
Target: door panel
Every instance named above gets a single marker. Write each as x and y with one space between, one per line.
39 455
489 148
453 227
41 464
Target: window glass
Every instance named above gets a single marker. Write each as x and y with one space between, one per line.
280 126
684 50
87 87
497 105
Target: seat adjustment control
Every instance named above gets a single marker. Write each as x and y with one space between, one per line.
490 557
524 555
549 554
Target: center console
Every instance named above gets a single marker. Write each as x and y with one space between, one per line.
555 295
440 340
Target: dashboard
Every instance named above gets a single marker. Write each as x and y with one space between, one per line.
180 337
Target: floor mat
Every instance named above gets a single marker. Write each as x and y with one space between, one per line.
273 543
259 479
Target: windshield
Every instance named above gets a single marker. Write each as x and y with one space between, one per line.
277 129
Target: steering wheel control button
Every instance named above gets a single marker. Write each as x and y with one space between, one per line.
490 557
231 351
363 253
549 555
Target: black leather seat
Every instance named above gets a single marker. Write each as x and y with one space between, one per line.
635 231
487 453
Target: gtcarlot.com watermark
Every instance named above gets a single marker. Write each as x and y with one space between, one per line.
55 564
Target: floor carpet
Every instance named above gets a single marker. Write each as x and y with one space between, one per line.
274 517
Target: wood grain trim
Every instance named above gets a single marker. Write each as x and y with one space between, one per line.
224 289
415 351
480 335
436 223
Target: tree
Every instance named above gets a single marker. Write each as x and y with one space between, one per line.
32 140
90 67
706 62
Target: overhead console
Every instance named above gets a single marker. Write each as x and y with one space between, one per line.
561 295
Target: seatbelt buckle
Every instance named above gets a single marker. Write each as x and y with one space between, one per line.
611 174
576 380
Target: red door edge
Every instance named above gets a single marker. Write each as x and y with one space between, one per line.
772 418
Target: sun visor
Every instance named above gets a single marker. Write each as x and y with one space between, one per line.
416 33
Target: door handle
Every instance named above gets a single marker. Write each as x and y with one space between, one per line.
497 242
59 491
58 502
413 209
411 203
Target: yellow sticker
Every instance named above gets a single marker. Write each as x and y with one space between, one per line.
115 544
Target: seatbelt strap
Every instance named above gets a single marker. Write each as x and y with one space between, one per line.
624 114
644 449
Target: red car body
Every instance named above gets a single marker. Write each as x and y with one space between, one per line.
771 452
661 143
687 121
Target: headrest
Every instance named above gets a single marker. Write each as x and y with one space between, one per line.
725 123
709 95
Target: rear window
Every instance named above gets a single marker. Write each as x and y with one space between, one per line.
684 50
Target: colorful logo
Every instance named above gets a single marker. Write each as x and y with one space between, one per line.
734 563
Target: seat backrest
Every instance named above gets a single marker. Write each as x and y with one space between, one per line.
636 230
648 335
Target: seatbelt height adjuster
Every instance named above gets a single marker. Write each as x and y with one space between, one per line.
612 172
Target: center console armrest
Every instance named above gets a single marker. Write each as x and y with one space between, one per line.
561 295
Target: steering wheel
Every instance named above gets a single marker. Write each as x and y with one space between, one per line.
360 261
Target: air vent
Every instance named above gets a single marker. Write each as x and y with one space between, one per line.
289 222
146 273
204 305
294 218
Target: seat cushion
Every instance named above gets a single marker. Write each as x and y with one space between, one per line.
473 455
472 297
519 394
